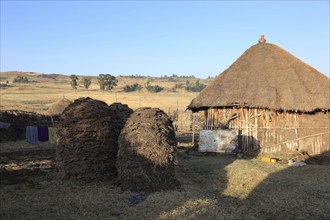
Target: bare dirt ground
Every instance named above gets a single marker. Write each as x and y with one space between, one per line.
214 186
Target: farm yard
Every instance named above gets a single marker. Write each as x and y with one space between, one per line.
213 186
160 110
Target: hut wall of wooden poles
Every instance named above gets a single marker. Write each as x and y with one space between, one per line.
273 131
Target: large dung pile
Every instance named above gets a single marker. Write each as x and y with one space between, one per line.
86 144
147 152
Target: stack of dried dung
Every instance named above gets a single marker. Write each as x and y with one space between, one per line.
120 113
86 143
147 152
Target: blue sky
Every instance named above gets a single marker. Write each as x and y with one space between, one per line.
156 37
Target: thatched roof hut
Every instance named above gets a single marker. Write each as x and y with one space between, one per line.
266 76
278 101
58 107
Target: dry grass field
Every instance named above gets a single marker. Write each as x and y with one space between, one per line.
45 89
213 186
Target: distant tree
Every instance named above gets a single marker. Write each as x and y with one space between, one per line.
21 79
87 82
195 88
74 79
107 81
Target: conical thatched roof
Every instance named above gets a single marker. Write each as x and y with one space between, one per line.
58 107
266 76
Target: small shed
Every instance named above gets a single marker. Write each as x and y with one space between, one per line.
275 100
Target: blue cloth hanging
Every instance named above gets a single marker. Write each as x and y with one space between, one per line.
32 134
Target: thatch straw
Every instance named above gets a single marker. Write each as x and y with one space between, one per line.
266 76
58 107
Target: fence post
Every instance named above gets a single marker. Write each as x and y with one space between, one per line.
193 130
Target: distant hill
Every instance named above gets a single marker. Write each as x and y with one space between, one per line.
169 82
34 77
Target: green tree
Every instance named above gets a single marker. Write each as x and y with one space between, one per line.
74 79
107 81
87 82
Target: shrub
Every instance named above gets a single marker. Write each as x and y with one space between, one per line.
132 88
2 85
155 88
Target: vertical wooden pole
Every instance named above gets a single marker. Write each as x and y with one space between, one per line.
247 129
51 117
206 119
193 130
211 117
240 147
